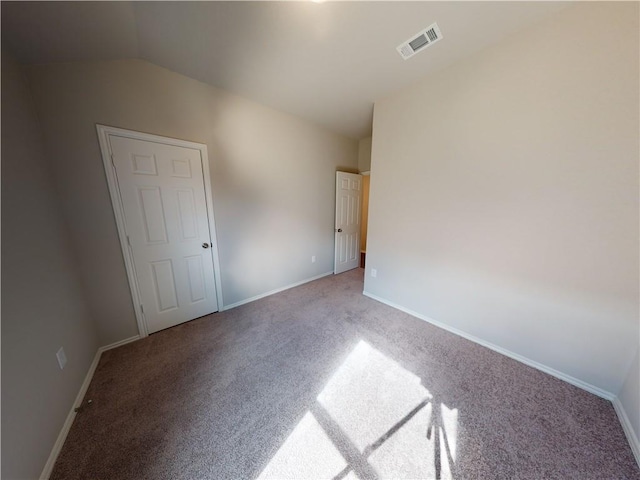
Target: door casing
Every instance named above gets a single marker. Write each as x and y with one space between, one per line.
104 132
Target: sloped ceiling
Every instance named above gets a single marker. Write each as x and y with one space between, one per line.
325 62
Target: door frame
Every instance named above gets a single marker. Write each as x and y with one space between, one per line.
104 132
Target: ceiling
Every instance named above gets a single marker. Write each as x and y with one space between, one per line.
326 62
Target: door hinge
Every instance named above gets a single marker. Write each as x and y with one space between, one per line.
112 161
142 308
128 240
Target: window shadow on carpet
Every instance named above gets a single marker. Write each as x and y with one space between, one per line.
405 433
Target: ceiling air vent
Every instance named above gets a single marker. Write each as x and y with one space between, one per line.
420 41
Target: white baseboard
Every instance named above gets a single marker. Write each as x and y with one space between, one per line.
62 436
272 292
527 361
628 428
119 344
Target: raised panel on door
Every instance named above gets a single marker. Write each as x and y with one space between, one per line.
181 168
195 273
353 247
152 215
187 214
164 201
144 164
165 285
344 209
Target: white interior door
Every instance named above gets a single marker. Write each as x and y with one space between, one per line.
347 229
167 226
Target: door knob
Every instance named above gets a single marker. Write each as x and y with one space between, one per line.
205 245
339 230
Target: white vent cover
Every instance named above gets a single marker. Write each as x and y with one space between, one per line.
420 41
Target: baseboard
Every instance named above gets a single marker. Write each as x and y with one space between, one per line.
119 344
62 436
272 292
527 361
628 428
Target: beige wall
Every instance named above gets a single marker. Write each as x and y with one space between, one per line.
42 301
273 176
504 194
364 154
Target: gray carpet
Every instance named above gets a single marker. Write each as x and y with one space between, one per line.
322 382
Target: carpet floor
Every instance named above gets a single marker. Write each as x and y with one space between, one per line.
321 382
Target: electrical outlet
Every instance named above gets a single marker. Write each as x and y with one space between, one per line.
62 358
374 272
313 259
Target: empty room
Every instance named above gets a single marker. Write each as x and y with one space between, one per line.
320 239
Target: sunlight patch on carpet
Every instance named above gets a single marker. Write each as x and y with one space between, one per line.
369 394
373 418
307 453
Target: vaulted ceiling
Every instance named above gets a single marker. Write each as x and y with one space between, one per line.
326 62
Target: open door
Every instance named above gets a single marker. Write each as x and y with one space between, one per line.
347 228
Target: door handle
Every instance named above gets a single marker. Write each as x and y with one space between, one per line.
339 230
205 245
